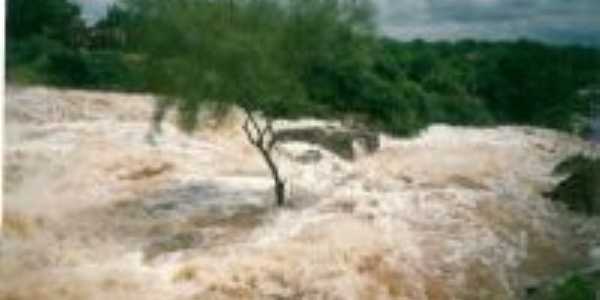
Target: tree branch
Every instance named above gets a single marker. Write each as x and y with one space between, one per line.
256 135
248 132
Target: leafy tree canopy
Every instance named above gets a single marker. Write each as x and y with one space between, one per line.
258 54
55 19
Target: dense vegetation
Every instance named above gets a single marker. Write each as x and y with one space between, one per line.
396 86
49 43
579 191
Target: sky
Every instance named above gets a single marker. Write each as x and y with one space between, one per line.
92 10
553 21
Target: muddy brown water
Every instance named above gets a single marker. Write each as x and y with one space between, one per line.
95 212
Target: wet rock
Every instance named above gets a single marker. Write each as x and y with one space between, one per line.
340 141
310 156
146 171
177 242
594 254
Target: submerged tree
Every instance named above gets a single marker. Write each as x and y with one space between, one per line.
220 54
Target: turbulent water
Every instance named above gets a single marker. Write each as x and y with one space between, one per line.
95 211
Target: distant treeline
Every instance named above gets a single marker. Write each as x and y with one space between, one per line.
399 87
48 42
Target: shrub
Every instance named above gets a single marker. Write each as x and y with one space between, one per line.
574 288
580 191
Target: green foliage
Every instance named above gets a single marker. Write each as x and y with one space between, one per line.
55 19
39 60
46 42
298 58
574 288
536 84
116 31
260 54
98 70
580 191
503 83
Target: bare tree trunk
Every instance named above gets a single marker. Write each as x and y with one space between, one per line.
160 111
261 137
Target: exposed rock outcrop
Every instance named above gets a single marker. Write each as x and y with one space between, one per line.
346 143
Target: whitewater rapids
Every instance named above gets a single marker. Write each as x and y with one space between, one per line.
95 211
